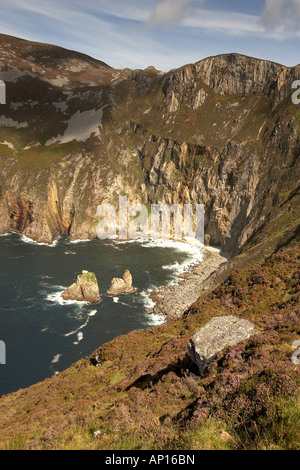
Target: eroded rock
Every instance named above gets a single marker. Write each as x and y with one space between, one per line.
218 334
121 286
85 289
185 276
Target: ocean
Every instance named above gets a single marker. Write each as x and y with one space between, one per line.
43 334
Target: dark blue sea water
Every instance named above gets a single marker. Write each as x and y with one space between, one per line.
45 335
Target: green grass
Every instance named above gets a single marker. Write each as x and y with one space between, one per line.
6 151
88 277
43 156
282 434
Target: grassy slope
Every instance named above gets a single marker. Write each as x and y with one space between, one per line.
146 393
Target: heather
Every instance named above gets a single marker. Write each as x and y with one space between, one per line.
141 391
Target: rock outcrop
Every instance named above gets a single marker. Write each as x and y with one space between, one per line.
218 334
185 276
172 301
86 289
121 286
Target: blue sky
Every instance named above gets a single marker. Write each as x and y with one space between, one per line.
163 33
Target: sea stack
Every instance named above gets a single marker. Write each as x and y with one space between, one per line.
121 286
86 289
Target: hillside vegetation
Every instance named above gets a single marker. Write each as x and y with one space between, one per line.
141 391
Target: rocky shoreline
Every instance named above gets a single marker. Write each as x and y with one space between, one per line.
172 301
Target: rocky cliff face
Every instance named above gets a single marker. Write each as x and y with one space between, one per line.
76 133
232 74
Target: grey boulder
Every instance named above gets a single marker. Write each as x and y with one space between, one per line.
218 334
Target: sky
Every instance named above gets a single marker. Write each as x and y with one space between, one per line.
163 33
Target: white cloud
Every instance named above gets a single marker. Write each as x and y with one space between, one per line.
169 13
273 12
61 11
282 15
225 22
278 13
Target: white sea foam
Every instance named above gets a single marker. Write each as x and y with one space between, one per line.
57 298
56 359
148 303
77 331
194 251
79 338
116 247
45 329
116 300
71 333
92 313
172 267
33 242
128 242
79 241
155 320
152 319
190 246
